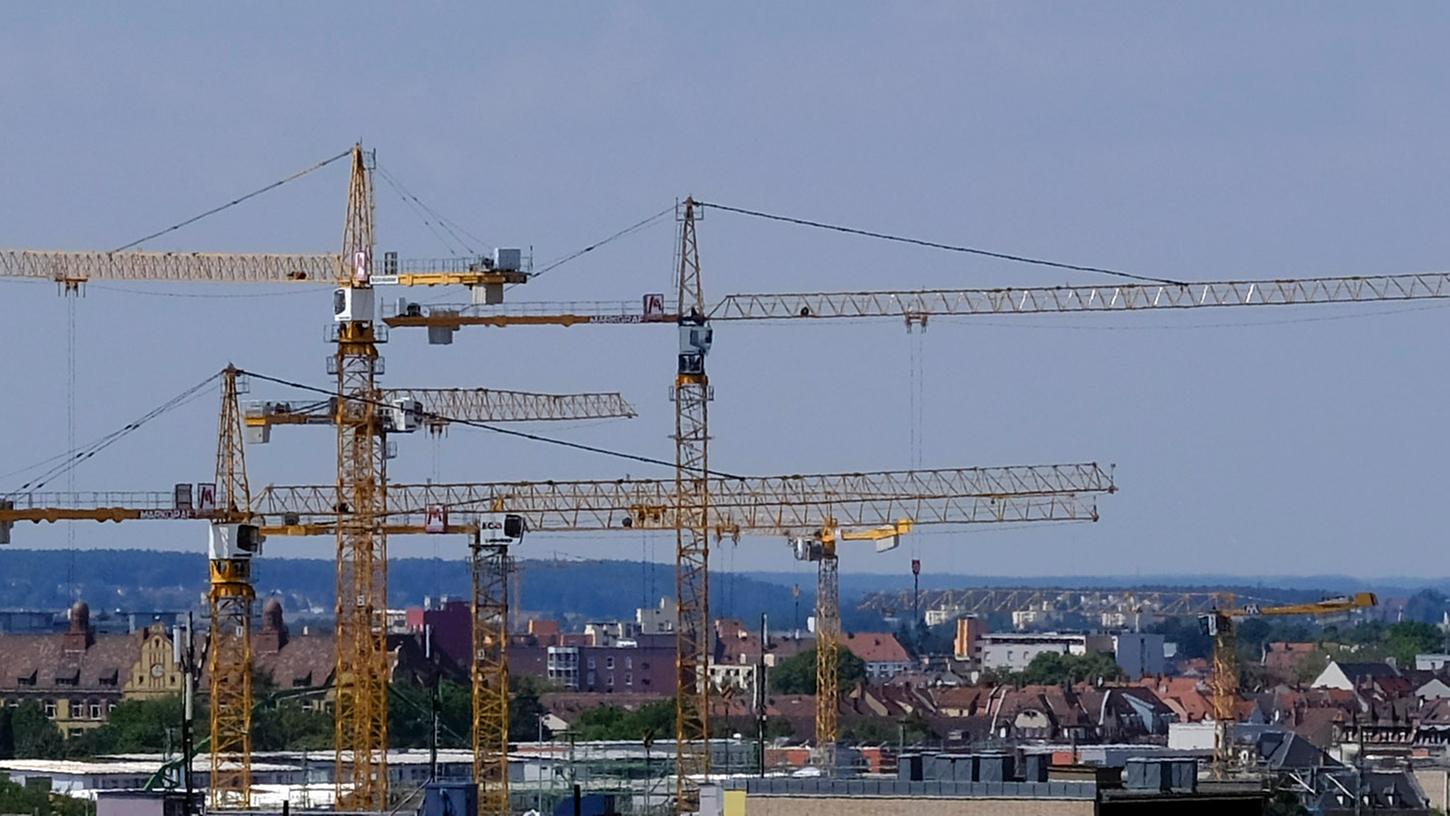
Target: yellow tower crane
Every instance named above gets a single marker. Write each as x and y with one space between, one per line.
692 389
235 539
755 505
1216 612
1219 624
821 548
495 514
234 542
361 730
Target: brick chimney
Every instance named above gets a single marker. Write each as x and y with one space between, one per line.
274 629
78 636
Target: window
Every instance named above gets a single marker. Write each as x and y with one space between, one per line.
609 681
609 662
629 662
591 661
50 709
95 710
629 678
591 680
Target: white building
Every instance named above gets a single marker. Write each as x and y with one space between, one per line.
943 614
1431 662
1013 651
1028 618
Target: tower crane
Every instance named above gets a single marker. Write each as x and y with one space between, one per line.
1224 679
361 730
235 540
821 548
692 390
755 505
435 408
692 503
1217 613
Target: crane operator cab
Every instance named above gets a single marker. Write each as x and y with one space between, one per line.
234 541
695 340
502 528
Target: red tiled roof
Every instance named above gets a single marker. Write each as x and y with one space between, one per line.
876 647
32 663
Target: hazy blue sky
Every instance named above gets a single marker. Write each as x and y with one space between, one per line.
1194 142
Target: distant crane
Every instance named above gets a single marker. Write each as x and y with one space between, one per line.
821 548
1224 681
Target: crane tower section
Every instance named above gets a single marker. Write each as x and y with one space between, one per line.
692 530
362 670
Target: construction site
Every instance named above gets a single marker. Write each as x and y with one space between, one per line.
200 606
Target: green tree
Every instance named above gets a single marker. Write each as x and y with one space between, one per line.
615 723
1051 668
1406 639
34 735
289 725
797 675
7 734
525 710
1310 666
140 727
17 798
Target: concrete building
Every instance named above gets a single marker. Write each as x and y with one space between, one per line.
26 621
967 645
1139 653
1014 651
660 620
606 669
1088 792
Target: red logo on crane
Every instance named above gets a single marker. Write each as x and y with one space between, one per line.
435 519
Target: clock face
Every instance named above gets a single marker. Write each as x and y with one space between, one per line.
157 670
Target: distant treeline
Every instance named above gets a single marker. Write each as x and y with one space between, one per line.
145 580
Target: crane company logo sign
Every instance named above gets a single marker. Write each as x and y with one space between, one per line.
654 307
205 497
435 519
166 515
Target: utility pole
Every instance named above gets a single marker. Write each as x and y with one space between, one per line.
434 705
760 688
795 620
183 653
915 596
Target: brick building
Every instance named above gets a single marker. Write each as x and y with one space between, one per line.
78 676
